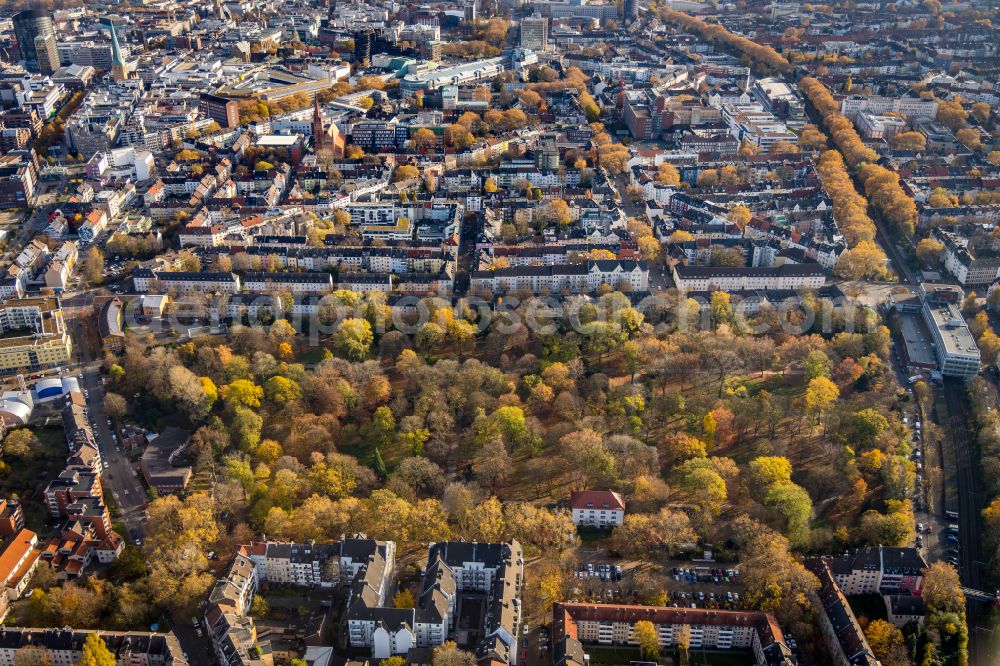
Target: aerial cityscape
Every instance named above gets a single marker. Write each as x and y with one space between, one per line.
499 333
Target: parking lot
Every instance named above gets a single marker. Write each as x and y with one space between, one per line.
677 583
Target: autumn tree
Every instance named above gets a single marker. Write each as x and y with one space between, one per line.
448 654
908 141
930 251
22 443
644 633
93 266
405 172
664 533
423 138
32 655
820 396
708 178
942 589
887 642
667 174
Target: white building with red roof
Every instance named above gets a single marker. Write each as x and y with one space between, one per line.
598 508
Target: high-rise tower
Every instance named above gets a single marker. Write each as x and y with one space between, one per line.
36 40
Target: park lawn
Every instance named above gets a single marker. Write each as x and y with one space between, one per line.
392 454
313 356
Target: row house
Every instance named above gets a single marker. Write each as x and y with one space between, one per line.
742 278
296 283
179 281
18 560
614 624
574 278
845 639
65 646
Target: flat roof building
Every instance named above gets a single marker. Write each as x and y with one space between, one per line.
956 349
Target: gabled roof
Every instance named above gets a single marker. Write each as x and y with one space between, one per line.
597 499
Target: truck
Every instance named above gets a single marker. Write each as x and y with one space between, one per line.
914 379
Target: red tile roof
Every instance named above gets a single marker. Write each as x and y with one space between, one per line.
598 499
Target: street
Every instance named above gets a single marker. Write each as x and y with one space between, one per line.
121 476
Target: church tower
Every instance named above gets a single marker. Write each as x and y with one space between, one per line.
119 70
320 138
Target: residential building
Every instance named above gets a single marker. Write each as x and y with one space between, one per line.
902 609
744 278
222 110
73 483
875 126
614 624
879 570
18 560
910 107
587 277
845 640
65 646
128 162
110 326
597 508
296 283
35 336
182 282
967 264
18 181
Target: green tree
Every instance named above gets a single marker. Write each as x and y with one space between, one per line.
245 429
238 469
259 606
793 502
354 339
281 389
380 468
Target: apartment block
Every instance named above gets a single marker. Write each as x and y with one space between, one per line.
742 278
614 624
35 335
